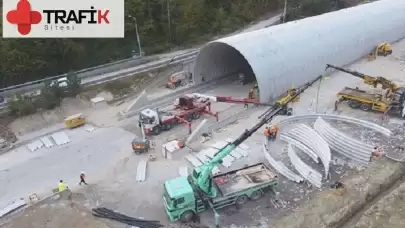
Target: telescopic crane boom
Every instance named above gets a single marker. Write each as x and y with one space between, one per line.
370 80
202 175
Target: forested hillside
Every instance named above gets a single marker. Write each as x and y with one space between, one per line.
188 21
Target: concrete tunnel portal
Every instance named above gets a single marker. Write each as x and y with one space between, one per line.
217 60
297 52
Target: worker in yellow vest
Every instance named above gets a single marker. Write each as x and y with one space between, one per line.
62 186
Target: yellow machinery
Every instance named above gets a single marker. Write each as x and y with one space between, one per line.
393 100
287 96
382 49
76 120
357 98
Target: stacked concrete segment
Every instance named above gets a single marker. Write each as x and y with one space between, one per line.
313 140
281 168
304 148
344 144
347 119
313 176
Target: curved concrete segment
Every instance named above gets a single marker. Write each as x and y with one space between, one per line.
296 52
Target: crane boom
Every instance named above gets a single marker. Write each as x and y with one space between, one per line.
352 72
202 175
369 80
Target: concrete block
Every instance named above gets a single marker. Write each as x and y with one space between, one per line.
99 102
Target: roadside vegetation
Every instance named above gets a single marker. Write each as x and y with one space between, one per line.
47 98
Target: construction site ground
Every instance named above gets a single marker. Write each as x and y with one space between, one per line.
374 194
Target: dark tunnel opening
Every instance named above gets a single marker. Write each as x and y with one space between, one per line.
217 60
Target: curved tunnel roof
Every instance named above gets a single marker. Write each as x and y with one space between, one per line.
297 52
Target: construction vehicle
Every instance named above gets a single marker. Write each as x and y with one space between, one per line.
392 102
140 145
178 79
186 108
383 49
74 121
185 197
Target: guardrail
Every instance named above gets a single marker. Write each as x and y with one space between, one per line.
113 69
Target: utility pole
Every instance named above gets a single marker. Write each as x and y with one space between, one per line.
137 35
169 20
285 10
317 95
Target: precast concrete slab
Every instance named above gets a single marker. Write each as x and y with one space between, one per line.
60 138
47 142
37 144
141 170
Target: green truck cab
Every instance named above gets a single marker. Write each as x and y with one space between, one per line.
182 200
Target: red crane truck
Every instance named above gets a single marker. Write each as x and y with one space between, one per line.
184 111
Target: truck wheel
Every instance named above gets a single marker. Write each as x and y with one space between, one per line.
365 107
289 112
168 127
157 130
241 200
354 104
256 195
196 115
137 152
187 216
189 118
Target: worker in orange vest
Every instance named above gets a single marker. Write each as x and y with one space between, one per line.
376 153
267 133
275 131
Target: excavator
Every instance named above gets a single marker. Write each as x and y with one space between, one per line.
185 197
392 102
383 49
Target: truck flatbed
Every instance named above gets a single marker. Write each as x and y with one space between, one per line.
242 179
359 93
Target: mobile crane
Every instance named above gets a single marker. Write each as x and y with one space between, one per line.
184 197
392 102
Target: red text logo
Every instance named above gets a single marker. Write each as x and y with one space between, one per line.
23 17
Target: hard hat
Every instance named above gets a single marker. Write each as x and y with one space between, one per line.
82 172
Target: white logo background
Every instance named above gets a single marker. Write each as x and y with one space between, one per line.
115 29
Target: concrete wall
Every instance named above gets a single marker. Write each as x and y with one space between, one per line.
296 52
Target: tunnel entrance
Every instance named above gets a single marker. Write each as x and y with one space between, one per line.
217 60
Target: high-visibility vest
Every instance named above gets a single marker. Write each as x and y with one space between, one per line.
62 187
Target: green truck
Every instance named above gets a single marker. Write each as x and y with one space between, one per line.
182 202
185 197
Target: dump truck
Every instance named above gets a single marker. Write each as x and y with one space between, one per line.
185 197
185 110
234 187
